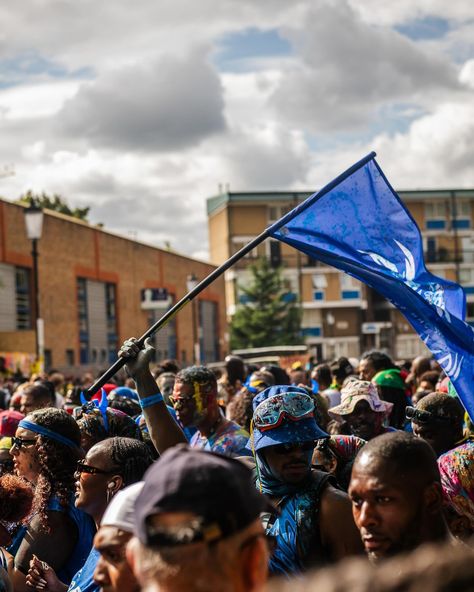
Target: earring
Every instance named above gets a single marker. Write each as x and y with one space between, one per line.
110 492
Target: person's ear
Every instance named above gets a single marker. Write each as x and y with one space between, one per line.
131 554
115 484
433 498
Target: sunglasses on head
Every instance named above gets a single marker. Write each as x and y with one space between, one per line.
82 467
421 416
291 405
292 446
20 442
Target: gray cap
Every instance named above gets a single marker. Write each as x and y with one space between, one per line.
121 510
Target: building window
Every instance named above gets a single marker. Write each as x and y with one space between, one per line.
461 218
435 215
319 284
70 357
350 287
111 315
97 318
277 212
470 313
83 321
23 299
466 277
311 331
48 359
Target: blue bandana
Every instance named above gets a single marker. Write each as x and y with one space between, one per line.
268 483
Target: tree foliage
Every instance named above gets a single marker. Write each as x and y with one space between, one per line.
269 315
55 203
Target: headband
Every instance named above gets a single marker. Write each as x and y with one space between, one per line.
37 429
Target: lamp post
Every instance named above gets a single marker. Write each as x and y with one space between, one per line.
191 283
34 229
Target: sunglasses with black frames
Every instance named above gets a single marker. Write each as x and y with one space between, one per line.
82 467
20 442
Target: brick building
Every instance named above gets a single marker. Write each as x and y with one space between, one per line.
96 289
341 316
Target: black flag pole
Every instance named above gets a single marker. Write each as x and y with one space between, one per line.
120 362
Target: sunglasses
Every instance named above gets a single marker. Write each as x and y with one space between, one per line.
20 442
420 416
291 446
82 467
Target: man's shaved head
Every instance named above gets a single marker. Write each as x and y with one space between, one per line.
396 495
402 455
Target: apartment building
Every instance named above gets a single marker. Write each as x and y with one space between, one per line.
96 289
341 316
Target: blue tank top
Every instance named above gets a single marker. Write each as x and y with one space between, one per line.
85 535
296 529
83 581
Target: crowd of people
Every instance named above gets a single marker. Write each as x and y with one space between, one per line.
246 478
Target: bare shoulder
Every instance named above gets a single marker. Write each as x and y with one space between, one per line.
333 499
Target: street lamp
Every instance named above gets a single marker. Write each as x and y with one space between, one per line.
34 229
191 283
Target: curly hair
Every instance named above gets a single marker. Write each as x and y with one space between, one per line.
120 424
199 374
16 498
240 408
130 457
57 462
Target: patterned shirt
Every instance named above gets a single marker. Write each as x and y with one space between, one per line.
230 439
457 479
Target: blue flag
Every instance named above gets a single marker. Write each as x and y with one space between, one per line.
358 224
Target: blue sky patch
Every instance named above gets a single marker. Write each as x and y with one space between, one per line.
390 119
236 49
430 27
29 65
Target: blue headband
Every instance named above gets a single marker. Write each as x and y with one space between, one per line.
37 429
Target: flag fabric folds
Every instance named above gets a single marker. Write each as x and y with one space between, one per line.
358 224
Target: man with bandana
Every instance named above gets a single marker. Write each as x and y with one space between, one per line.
194 399
314 525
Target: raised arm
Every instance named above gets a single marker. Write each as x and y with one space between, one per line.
164 431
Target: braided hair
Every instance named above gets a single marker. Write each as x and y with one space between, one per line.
91 422
129 457
57 462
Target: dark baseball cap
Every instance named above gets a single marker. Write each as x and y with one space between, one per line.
218 490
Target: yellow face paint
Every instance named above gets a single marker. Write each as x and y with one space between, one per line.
198 396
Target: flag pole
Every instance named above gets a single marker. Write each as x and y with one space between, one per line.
120 362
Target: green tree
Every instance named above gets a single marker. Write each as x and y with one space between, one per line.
55 203
270 315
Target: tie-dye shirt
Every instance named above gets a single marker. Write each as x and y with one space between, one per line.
230 439
457 479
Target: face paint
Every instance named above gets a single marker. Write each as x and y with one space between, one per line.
198 397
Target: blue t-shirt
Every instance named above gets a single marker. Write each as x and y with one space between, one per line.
83 581
85 536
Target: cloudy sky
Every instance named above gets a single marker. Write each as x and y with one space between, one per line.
141 109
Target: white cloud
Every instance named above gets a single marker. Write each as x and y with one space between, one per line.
340 80
163 105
